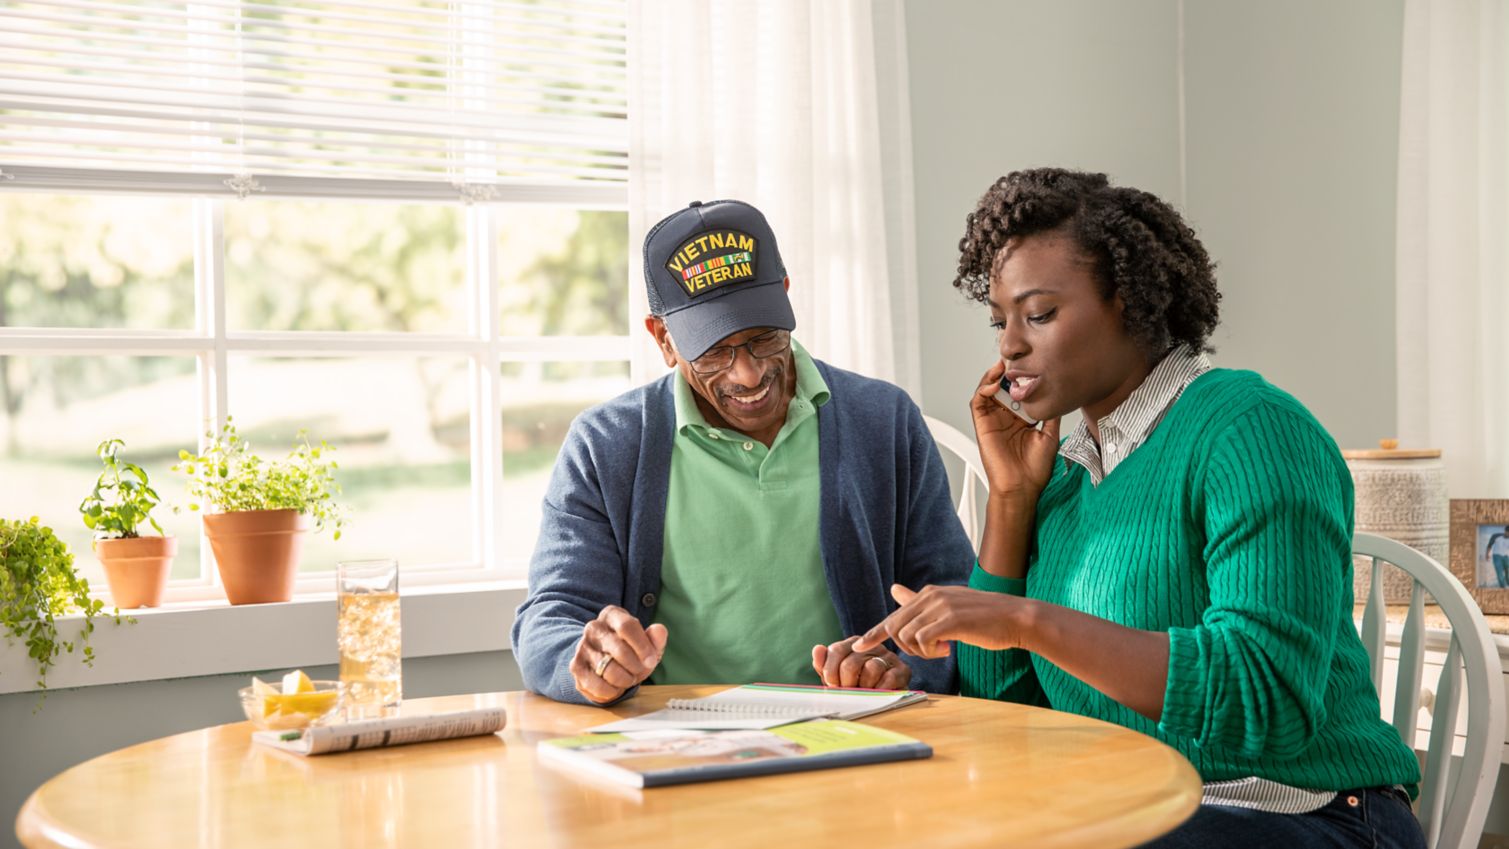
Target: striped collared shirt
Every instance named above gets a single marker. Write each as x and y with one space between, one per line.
1122 432
1131 423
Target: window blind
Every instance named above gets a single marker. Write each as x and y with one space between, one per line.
428 99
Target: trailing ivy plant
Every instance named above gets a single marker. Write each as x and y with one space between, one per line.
122 499
229 478
37 585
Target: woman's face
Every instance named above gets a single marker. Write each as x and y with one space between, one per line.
1064 344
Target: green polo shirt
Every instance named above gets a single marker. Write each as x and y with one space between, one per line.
742 588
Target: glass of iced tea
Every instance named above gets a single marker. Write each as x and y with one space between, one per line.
368 636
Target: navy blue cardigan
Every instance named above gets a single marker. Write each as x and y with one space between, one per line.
886 518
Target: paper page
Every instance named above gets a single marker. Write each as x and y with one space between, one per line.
829 701
701 720
758 706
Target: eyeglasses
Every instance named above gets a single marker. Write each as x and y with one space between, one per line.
721 357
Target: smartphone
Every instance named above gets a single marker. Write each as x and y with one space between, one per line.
1004 398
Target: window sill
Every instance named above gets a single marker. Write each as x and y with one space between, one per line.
187 640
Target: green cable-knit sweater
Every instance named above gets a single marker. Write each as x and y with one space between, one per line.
1229 529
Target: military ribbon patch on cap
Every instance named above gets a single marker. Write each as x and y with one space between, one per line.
710 261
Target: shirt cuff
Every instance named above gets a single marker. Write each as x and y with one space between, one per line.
980 579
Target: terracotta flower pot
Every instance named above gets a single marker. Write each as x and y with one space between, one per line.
257 552
137 568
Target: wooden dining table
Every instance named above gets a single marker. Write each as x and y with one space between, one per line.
1001 775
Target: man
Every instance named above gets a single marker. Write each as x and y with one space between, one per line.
1498 550
734 520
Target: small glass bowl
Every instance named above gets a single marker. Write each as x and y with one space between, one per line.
294 712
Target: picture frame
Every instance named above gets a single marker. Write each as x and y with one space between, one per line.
1480 550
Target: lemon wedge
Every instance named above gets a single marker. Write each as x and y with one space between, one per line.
309 704
261 689
297 682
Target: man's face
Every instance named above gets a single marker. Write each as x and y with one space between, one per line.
751 395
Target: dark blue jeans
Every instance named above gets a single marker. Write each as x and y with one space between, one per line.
1375 818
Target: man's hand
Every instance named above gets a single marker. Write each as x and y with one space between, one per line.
615 653
839 665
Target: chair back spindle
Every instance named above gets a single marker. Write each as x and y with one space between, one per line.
1455 792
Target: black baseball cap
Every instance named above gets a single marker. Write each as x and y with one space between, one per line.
712 270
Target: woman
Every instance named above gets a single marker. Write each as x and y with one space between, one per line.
1180 564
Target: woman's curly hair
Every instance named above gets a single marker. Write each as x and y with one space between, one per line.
1143 250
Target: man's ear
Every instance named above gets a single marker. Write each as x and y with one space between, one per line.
787 283
656 325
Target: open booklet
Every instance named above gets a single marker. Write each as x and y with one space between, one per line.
386 731
656 758
756 706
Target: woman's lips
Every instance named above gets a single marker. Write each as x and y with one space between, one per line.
1022 386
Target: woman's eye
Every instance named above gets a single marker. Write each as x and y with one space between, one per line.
1042 316
997 324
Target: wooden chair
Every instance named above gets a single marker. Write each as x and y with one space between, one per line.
1454 792
952 441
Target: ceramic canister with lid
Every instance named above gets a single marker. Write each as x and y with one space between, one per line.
1401 494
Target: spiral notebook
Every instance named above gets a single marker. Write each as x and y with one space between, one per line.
758 706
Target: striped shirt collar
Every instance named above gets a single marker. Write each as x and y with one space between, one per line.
1129 425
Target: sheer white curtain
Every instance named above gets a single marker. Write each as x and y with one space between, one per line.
800 108
1453 260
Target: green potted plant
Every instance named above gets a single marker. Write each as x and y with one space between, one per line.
256 511
136 566
37 585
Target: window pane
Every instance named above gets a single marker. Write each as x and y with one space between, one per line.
564 272
118 262
539 402
56 410
402 431
317 265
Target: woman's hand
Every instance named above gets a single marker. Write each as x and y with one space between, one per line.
929 620
1127 664
1018 458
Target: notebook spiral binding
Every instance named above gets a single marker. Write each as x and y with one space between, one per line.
745 709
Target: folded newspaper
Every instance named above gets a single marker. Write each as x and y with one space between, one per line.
386 731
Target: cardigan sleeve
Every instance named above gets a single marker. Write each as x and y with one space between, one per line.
1276 499
577 569
1005 676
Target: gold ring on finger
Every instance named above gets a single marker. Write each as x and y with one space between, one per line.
602 665
883 661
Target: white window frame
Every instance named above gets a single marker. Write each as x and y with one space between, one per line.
212 344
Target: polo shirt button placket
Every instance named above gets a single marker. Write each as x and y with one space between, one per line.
749 446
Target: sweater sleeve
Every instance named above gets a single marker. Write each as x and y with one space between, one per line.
1251 676
577 569
1005 676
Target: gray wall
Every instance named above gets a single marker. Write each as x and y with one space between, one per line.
1291 116
73 726
1293 131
